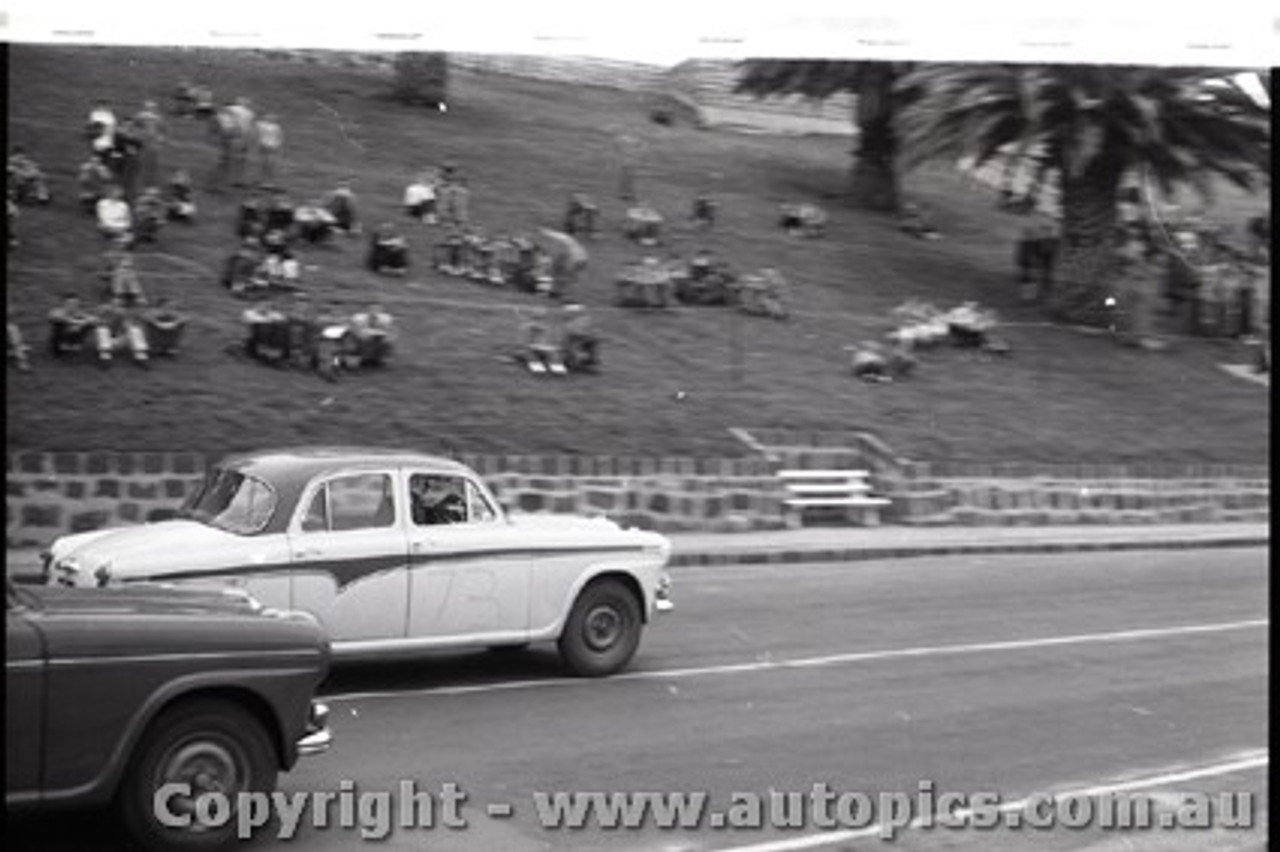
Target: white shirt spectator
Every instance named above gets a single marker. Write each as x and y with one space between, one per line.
114 215
419 192
104 118
270 135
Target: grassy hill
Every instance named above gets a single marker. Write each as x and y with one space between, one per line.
673 382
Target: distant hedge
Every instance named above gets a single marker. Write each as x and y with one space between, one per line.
422 78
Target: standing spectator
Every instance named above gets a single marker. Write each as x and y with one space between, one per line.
101 126
420 198
232 129
704 212
128 157
93 179
455 203
16 348
270 138
115 219
150 214
164 324
151 132
125 287
180 198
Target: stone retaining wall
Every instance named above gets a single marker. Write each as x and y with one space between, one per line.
49 494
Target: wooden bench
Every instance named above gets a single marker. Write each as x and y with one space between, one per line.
845 490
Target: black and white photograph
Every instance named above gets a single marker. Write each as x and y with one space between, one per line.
814 429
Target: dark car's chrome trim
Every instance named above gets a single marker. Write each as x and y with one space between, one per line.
293 653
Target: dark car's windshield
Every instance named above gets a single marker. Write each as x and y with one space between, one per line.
232 501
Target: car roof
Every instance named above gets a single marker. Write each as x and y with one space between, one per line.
301 464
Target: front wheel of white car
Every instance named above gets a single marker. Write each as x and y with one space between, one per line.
603 630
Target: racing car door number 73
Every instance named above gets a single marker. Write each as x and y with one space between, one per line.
468 573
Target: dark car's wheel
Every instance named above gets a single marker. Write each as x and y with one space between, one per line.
193 749
603 630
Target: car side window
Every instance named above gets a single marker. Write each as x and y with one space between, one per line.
355 502
438 499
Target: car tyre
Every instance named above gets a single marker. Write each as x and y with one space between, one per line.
211 744
603 630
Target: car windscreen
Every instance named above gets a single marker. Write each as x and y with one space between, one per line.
232 501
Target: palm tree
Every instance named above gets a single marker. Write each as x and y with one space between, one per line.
1094 127
874 177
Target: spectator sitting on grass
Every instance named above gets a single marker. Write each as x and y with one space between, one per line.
374 333
115 219
164 324
644 225
420 198
388 251
581 345
278 213
180 198
802 219
582 216
121 329
541 348
243 271
26 179
70 327
267 339
914 221
341 204
279 267
315 224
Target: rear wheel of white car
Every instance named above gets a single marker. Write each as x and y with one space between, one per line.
192 750
603 630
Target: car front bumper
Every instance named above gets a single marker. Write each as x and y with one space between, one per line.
318 736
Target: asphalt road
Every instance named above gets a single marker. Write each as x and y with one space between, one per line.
1017 675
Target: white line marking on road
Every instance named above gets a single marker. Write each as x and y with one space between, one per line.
816 841
833 660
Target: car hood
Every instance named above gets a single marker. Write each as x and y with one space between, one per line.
140 599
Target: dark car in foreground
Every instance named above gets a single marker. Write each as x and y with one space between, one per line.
112 694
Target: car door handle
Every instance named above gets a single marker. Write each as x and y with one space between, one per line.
419 546
306 552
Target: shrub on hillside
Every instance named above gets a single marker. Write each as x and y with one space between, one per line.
422 78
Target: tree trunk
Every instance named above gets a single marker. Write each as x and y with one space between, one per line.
1088 264
874 178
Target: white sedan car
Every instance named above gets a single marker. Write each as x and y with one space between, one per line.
393 552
